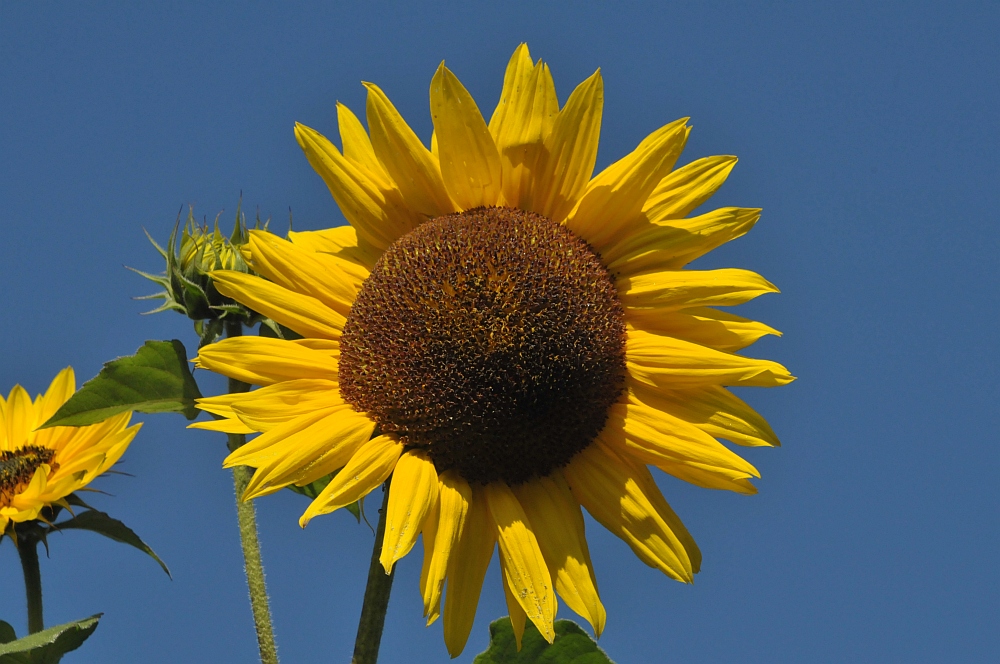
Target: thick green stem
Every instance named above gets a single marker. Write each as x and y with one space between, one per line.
27 548
376 601
247 518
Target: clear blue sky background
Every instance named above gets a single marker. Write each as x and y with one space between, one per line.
867 132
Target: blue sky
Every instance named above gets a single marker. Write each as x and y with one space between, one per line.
867 133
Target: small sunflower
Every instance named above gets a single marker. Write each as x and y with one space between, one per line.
507 337
39 468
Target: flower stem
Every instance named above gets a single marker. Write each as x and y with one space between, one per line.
27 548
247 518
376 601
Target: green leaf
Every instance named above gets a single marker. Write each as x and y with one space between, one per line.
154 380
102 524
572 645
7 633
49 645
313 489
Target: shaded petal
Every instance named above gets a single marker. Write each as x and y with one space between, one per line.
713 409
276 404
304 314
557 522
372 206
678 289
412 494
523 563
357 146
263 361
658 438
454 497
369 467
688 187
663 361
466 571
518 618
674 244
523 118
303 271
470 162
612 202
570 151
344 245
614 492
411 166
716 329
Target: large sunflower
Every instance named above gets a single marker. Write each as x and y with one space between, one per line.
40 468
507 338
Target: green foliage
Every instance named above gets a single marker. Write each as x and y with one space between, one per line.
47 646
154 380
572 645
102 524
312 490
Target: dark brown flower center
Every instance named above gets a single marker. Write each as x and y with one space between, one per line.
17 467
493 339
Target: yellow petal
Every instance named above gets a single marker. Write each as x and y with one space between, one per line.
524 565
713 409
329 443
518 618
521 122
614 493
432 606
505 116
225 425
678 289
716 329
19 416
466 571
470 163
412 494
663 361
677 448
368 468
357 145
302 271
557 522
263 361
613 200
372 206
673 244
60 390
270 406
688 187
571 151
304 314
344 245
454 496
411 166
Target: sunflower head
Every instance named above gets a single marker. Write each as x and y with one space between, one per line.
507 336
40 468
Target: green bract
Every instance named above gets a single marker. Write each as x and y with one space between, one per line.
187 282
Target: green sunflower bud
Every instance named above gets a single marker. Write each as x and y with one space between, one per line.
187 284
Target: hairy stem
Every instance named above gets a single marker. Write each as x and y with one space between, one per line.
376 597
27 549
247 517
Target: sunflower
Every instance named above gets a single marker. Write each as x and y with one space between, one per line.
39 468
505 336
